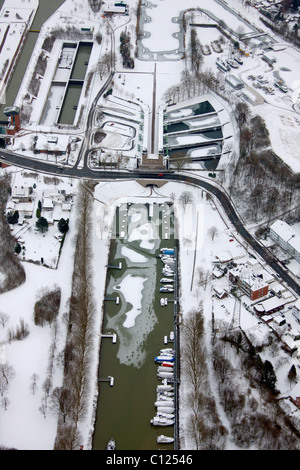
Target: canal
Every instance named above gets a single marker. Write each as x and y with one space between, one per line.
45 10
125 409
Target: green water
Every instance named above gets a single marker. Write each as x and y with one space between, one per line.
125 409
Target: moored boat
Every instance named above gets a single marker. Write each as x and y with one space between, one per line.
165 409
164 439
160 421
164 403
165 357
111 444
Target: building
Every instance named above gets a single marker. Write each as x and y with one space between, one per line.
234 82
271 305
286 237
250 283
269 58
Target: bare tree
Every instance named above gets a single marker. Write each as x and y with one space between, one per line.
185 198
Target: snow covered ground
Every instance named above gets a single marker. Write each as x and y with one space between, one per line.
23 425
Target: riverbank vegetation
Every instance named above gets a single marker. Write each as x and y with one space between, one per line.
12 273
70 400
229 396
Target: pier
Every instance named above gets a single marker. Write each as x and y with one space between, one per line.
111 380
111 335
114 299
112 266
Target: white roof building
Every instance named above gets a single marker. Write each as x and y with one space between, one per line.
286 237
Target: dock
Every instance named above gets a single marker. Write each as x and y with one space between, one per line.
114 299
112 266
109 379
110 335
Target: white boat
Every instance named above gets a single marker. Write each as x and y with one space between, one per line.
167 351
165 393
165 375
172 336
161 397
111 445
166 280
165 409
164 388
168 273
166 289
162 302
158 421
164 369
166 415
164 439
164 403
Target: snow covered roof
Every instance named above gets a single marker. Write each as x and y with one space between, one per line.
286 233
282 229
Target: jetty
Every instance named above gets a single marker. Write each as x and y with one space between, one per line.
110 335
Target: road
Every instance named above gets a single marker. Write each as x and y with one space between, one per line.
86 173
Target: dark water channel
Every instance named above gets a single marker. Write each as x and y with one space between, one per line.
125 409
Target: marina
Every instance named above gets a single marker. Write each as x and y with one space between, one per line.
125 410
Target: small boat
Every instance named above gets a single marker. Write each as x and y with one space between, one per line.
166 415
164 439
164 403
164 388
165 409
165 357
167 251
168 273
166 289
163 302
165 393
167 351
111 445
172 336
166 280
157 421
165 375
164 369
167 364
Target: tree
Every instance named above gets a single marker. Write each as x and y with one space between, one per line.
61 402
13 217
185 198
47 307
269 376
42 224
63 225
292 375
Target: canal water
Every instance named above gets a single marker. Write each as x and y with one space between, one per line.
140 322
45 10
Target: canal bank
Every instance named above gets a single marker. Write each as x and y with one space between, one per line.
124 409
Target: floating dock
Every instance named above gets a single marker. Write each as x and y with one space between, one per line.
111 335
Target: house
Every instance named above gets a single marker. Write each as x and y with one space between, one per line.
271 305
20 194
252 284
286 237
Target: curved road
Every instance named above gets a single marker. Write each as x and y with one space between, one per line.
87 173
